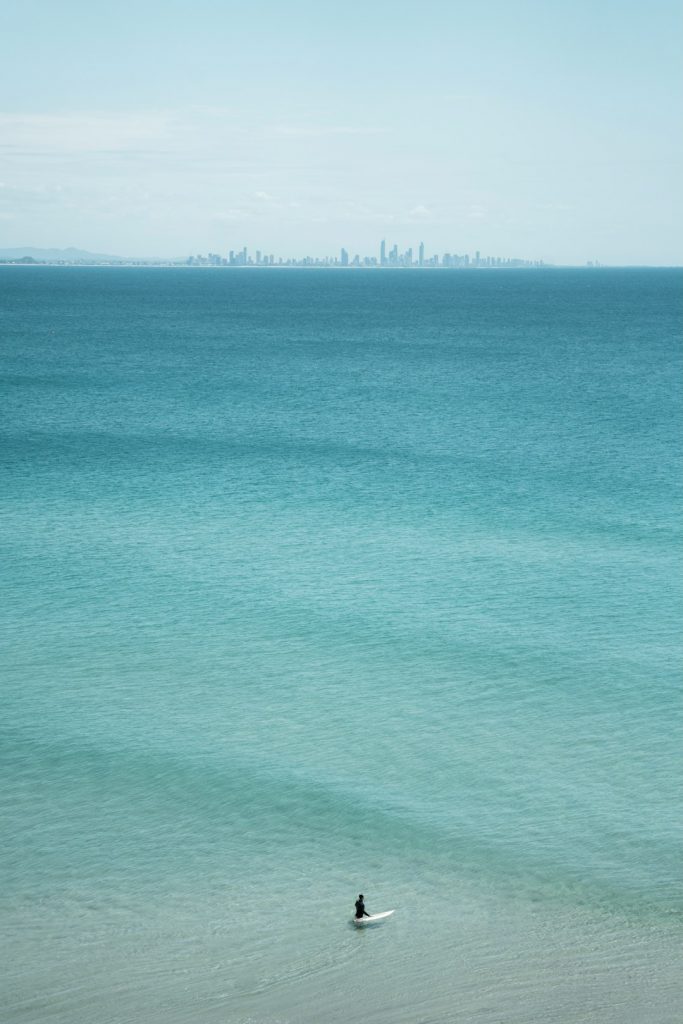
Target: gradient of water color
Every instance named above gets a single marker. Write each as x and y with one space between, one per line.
319 583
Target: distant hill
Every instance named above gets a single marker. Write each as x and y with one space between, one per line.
69 255
72 255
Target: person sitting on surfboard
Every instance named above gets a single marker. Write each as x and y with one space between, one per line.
360 908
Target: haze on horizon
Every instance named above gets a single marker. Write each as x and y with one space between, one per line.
533 130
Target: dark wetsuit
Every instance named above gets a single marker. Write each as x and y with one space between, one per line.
360 909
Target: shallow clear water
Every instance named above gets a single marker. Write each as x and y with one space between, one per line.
319 583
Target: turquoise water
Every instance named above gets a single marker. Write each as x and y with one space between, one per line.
325 582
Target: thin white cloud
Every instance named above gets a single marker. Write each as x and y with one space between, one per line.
312 131
420 212
232 216
477 212
85 133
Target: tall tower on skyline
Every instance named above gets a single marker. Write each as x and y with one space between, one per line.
421 257
383 254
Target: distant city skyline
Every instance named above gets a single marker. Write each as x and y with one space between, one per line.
418 257
392 258
526 128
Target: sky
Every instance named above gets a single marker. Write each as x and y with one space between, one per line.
539 129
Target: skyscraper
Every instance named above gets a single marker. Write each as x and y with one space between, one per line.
421 257
383 254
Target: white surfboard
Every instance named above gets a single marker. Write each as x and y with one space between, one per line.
363 922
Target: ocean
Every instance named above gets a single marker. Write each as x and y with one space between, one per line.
325 582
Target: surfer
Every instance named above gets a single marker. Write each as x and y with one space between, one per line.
360 908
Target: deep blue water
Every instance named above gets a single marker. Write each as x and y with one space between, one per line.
321 582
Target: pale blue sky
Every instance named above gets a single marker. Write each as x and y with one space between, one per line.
521 128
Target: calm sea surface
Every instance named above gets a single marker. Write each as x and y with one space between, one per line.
316 583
